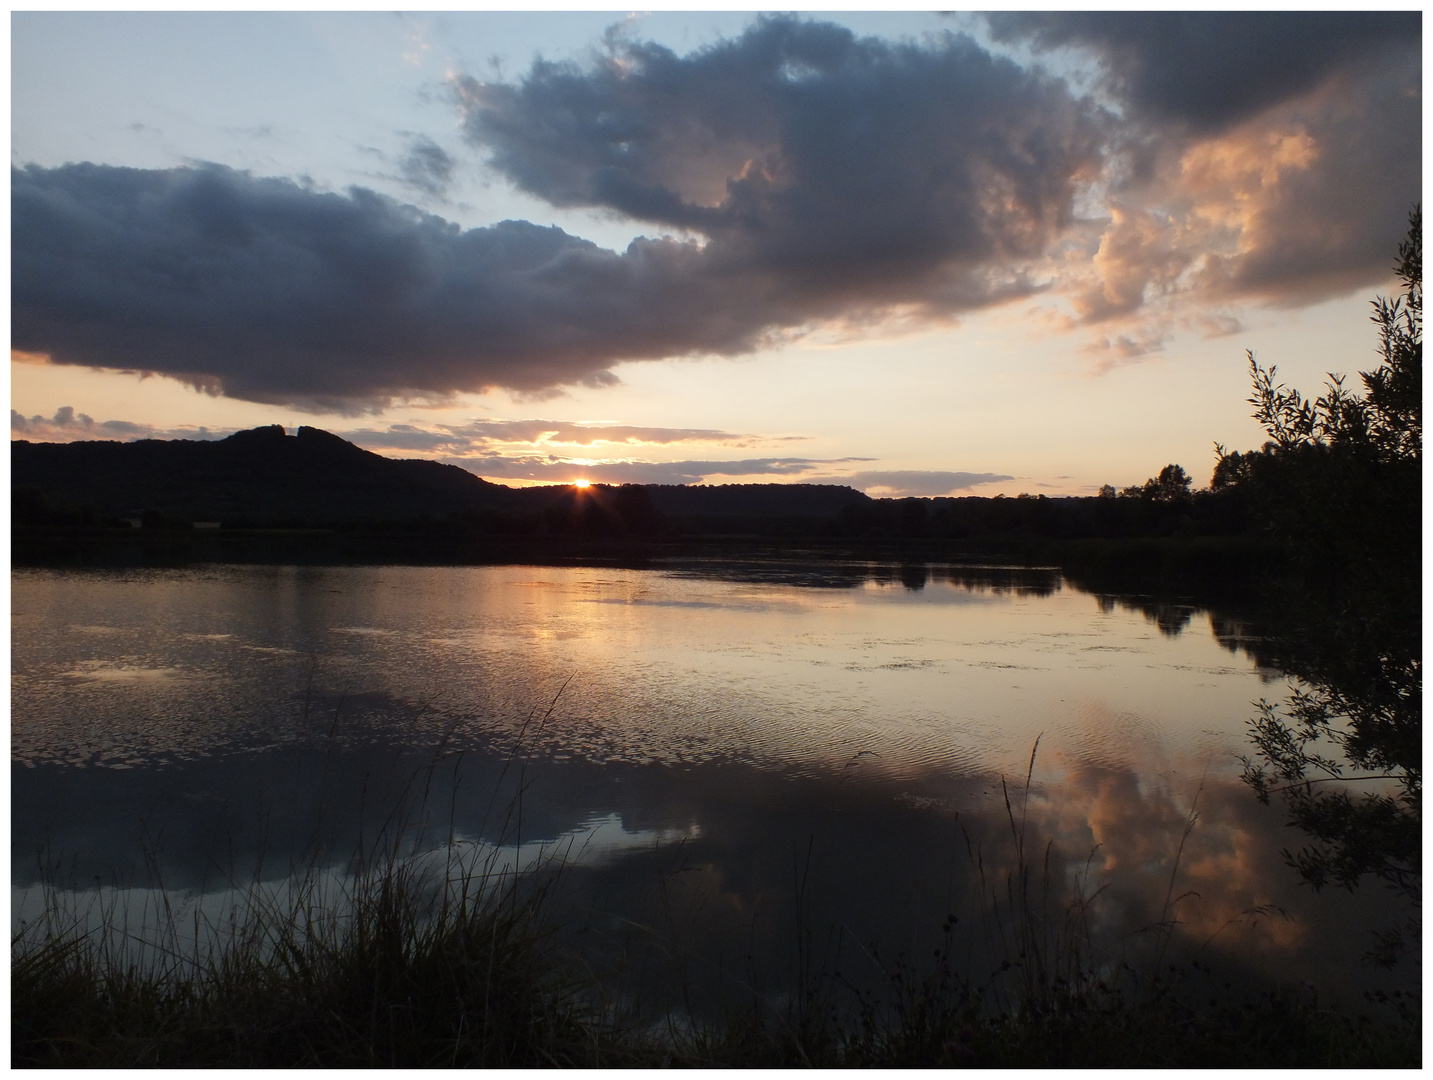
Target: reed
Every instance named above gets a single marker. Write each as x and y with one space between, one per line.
450 957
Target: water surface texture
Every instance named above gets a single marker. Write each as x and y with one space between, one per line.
715 749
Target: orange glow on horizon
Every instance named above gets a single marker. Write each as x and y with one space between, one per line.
582 483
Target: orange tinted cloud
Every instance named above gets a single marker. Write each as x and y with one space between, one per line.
1209 883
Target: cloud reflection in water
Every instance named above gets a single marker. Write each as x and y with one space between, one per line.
714 731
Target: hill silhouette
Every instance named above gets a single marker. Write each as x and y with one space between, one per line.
266 477
259 476
314 497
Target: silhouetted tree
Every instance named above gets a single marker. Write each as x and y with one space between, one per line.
1232 468
1171 485
1340 482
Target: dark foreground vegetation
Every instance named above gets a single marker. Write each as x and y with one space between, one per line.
396 975
1340 481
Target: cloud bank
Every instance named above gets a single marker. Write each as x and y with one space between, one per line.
850 176
263 290
840 170
542 451
801 175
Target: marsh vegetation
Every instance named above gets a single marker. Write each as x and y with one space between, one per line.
417 956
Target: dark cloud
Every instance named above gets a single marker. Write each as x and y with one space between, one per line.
838 170
848 176
1212 69
427 167
1264 156
268 291
808 175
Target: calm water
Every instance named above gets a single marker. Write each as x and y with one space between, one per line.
721 753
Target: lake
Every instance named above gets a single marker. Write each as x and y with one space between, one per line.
743 767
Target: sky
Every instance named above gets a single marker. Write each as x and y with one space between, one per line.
918 253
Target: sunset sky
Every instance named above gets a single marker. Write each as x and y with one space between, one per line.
917 253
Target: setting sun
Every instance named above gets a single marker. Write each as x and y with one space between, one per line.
582 483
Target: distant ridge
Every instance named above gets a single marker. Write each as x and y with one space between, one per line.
314 498
262 475
265 476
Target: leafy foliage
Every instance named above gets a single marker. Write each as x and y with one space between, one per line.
1170 486
1339 483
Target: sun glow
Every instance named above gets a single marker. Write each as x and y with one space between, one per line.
582 483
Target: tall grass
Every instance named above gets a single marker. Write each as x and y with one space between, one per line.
452 958
392 969
403 956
